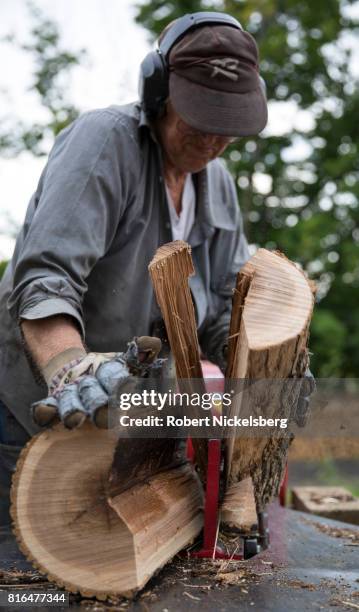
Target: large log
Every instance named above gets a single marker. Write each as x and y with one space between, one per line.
272 309
73 527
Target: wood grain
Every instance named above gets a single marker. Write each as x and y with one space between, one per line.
169 270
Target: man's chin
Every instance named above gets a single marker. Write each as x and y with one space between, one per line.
193 166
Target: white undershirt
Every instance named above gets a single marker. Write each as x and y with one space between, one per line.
182 224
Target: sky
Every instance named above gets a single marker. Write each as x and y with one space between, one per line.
115 47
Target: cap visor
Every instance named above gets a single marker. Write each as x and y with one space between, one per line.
218 112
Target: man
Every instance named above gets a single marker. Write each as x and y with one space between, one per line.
120 182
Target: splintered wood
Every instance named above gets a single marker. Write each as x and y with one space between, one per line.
169 270
272 309
69 525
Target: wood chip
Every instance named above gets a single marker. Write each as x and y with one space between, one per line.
335 532
191 596
349 603
299 584
199 586
232 577
267 562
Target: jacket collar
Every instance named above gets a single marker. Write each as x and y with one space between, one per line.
211 196
212 213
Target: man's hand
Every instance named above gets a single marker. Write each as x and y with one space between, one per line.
80 384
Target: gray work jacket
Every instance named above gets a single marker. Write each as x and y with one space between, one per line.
92 227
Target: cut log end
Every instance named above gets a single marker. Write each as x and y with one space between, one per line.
175 249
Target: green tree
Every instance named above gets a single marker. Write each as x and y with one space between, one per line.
307 208
3 265
53 65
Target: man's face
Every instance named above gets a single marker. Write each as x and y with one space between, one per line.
184 147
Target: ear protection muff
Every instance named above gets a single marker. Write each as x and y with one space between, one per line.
154 74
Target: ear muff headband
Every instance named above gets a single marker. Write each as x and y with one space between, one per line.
153 81
191 21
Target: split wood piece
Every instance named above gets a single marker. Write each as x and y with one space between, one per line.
238 510
85 542
169 271
272 309
171 517
244 280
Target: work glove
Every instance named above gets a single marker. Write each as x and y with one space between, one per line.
295 397
81 383
301 410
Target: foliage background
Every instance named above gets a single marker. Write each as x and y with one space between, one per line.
306 207
309 208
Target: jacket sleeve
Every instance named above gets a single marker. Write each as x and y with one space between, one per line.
75 212
228 253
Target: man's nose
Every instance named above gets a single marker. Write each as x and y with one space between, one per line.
210 139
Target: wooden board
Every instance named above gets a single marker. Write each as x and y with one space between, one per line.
169 271
272 309
336 503
70 526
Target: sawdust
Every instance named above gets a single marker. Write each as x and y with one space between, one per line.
343 602
335 532
299 584
217 574
234 577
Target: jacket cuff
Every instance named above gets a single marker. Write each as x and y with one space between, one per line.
49 307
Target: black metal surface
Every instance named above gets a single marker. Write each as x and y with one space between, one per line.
304 569
263 528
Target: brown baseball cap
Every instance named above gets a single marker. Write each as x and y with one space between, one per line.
214 82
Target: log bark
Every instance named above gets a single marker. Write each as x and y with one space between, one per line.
272 309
